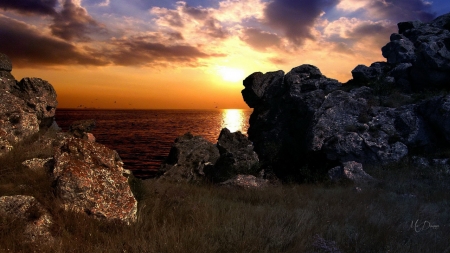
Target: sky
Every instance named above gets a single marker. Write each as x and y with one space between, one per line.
192 54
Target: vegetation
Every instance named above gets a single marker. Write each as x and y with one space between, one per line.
408 211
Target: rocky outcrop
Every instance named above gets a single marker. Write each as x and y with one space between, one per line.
188 158
27 106
194 159
82 129
305 124
31 213
236 157
352 171
418 58
89 178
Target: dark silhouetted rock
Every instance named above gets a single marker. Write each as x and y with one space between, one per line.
246 181
188 158
437 112
236 157
352 171
81 128
28 210
89 178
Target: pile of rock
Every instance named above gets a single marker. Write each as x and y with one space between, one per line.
87 176
194 159
305 124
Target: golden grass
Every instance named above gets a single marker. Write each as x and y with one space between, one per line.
287 218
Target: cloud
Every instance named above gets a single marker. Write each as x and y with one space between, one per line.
143 51
167 17
296 18
74 22
41 7
27 47
394 10
195 12
260 40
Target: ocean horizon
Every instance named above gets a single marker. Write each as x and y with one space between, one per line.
143 137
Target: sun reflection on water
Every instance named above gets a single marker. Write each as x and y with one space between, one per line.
234 120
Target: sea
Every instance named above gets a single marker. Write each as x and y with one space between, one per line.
143 138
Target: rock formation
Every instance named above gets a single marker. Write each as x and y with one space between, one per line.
28 210
193 159
305 124
27 106
90 178
87 176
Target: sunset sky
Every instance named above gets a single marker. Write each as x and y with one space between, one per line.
192 54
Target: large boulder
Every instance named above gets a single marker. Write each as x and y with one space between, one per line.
27 106
31 213
236 157
188 158
89 178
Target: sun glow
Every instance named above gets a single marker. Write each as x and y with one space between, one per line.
233 119
231 74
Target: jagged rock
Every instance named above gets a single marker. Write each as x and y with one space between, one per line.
246 181
364 74
82 128
89 178
236 157
5 63
16 121
188 158
28 210
40 96
437 112
426 46
37 164
352 171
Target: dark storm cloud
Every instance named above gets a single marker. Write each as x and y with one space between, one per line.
141 51
42 7
259 39
27 48
402 10
296 17
74 22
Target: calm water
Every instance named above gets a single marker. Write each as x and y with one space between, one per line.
143 137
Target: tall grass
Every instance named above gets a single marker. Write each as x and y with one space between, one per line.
392 216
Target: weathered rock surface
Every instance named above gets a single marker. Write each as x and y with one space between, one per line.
236 157
89 178
28 210
246 181
193 159
38 164
27 106
304 123
352 171
188 158
418 57
82 128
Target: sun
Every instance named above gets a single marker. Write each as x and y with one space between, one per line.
231 74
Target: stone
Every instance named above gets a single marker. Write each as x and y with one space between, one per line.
28 210
436 111
236 157
90 178
5 63
40 96
352 171
81 128
38 164
246 181
188 158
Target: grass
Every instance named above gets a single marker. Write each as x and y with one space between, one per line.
284 218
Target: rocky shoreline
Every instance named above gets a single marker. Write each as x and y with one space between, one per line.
305 127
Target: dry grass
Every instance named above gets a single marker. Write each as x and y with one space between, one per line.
289 218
